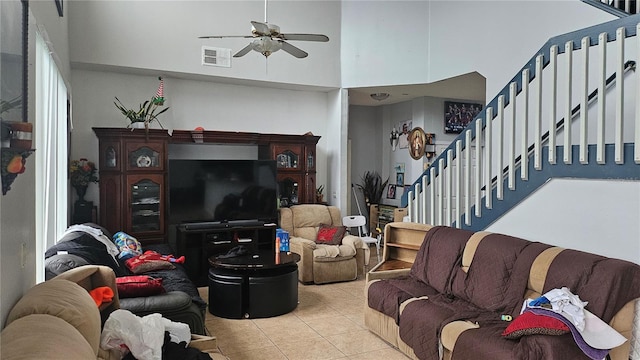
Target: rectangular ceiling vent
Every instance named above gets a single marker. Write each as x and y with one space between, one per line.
213 56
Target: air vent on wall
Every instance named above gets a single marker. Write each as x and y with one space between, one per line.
213 56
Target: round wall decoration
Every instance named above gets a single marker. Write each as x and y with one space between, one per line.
417 141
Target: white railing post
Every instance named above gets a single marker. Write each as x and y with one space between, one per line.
458 184
448 171
619 144
432 199
553 69
602 99
585 101
568 114
500 156
467 178
488 157
636 146
524 156
426 189
513 87
537 125
478 169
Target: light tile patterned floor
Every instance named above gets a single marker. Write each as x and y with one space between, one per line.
327 324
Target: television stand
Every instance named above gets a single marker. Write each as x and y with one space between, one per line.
199 241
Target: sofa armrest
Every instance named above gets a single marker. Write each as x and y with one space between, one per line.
386 274
91 277
304 248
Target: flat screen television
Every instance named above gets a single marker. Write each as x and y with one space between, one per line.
212 191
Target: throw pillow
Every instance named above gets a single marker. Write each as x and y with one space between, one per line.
138 285
149 261
330 235
529 323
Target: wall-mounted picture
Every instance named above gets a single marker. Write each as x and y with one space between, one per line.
417 142
404 127
399 168
391 191
457 115
400 179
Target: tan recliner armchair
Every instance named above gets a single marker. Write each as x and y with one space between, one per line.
320 263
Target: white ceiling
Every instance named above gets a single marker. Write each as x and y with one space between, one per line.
469 86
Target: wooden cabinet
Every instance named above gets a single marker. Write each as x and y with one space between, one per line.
295 157
402 240
132 167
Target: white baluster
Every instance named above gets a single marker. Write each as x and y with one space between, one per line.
636 146
440 191
513 88
553 68
619 145
602 99
478 169
449 187
423 197
537 125
432 199
524 156
584 104
488 156
410 211
568 118
500 156
467 178
458 184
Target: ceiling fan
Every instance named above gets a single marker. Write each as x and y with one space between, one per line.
268 39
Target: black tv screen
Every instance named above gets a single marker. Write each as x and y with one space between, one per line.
222 191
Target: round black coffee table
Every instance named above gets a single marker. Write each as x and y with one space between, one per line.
253 285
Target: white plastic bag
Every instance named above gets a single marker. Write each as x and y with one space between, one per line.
142 336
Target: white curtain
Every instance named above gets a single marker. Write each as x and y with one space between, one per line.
51 153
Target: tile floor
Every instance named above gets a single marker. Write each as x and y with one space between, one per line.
327 324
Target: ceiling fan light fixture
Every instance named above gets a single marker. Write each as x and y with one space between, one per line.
266 46
379 96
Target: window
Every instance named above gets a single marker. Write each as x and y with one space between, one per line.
51 153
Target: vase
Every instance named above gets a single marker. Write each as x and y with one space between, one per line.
81 191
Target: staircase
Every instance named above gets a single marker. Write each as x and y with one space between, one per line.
573 110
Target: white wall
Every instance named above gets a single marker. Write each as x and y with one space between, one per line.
17 207
560 213
163 35
193 103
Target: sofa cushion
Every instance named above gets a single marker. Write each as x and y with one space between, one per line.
387 295
330 235
65 300
41 336
327 252
439 255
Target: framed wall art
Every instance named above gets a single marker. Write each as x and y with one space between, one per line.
457 115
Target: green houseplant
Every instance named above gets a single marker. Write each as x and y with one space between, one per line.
146 113
372 187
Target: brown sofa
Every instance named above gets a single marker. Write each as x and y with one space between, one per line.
450 303
321 263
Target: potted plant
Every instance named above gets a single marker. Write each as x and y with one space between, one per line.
372 187
144 115
81 173
147 112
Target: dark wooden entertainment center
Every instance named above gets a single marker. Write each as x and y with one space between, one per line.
133 168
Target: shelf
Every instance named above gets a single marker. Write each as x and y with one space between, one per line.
404 246
394 264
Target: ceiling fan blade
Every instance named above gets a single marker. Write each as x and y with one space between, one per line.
304 37
261 29
245 50
224 36
299 53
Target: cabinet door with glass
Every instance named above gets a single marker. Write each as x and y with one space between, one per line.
147 155
145 198
288 156
290 189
